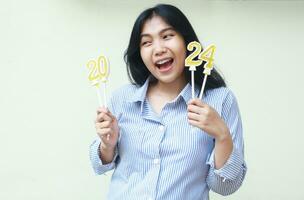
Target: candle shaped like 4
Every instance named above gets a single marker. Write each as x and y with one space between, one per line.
207 56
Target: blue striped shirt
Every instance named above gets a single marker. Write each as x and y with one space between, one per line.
162 156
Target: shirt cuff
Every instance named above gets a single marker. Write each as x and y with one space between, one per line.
231 168
98 165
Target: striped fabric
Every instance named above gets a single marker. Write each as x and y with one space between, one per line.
162 156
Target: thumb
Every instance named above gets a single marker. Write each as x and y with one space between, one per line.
111 115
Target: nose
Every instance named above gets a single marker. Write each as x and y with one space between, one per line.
159 48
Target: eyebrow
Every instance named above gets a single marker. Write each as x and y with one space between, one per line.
162 31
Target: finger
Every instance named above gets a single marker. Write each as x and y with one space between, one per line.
105 110
104 124
103 117
102 109
197 102
194 116
104 131
193 122
195 109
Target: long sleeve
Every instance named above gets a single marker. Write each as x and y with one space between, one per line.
229 178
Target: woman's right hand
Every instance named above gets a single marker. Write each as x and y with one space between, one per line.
107 128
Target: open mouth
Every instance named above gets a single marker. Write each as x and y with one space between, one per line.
164 65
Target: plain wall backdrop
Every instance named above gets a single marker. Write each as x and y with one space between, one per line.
47 106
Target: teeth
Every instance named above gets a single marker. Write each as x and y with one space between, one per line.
163 61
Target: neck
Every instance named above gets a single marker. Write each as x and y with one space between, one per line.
169 90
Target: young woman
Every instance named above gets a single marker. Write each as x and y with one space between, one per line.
161 143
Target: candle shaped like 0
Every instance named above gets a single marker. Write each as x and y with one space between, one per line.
104 65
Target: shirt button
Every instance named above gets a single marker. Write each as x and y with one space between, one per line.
161 127
156 161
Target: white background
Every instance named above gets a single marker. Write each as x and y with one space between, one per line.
47 106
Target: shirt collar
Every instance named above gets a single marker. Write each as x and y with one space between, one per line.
140 93
186 93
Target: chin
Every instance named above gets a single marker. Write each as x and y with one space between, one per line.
167 80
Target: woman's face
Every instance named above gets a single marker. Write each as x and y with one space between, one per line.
162 50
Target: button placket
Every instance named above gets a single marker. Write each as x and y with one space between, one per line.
156 161
161 128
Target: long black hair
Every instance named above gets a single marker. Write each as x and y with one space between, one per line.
138 72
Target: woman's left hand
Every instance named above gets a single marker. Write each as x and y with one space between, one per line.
205 117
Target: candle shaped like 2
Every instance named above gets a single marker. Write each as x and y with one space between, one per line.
191 63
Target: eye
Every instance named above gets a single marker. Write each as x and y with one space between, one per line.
168 36
145 43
